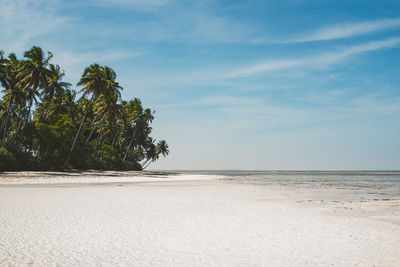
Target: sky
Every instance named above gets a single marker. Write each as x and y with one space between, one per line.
251 85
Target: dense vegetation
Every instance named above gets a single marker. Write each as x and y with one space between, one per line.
44 125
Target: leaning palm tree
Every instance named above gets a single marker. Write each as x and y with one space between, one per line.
160 149
97 81
150 152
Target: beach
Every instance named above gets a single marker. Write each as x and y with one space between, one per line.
156 219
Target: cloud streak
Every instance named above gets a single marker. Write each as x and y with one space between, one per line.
347 30
172 21
22 21
144 5
318 61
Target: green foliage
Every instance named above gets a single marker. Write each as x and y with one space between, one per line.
54 141
44 126
8 162
13 159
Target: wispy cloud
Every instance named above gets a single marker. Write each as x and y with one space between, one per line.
258 113
21 21
146 5
172 21
347 30
322 60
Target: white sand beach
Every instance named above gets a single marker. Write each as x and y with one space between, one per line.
126 219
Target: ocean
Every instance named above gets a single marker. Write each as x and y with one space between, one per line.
370 185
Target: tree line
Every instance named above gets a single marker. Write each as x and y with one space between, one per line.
44 125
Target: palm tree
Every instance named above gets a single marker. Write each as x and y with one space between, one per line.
160 149
98 81
34 72
54 85
133 116
34 76
106 107
3 82
68 101
107 100
3 73
150 152
9 69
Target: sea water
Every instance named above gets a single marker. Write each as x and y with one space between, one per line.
364 184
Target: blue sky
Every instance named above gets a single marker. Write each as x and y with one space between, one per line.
271 84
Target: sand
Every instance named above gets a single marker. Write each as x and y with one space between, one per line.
183 220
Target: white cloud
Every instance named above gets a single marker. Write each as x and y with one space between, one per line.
347 30
231 75
248 114
146 5
173 21
322 60
21 21
274 135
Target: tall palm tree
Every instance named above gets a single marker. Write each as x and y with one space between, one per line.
97 81
54 85
35 73
106 107
133 115
9 69
3 73
34 76
3 82
107 98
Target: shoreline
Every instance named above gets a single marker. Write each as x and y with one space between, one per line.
334 200
95 177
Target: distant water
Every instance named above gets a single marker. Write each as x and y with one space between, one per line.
385 184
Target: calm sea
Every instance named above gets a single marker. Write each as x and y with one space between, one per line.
382 183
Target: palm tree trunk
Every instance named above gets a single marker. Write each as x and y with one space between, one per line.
118 135
5 122
100 142
77 134
115 138
94 128
147 165
26 119
21 126
46 110
145 162
18 128
130 143
97 142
